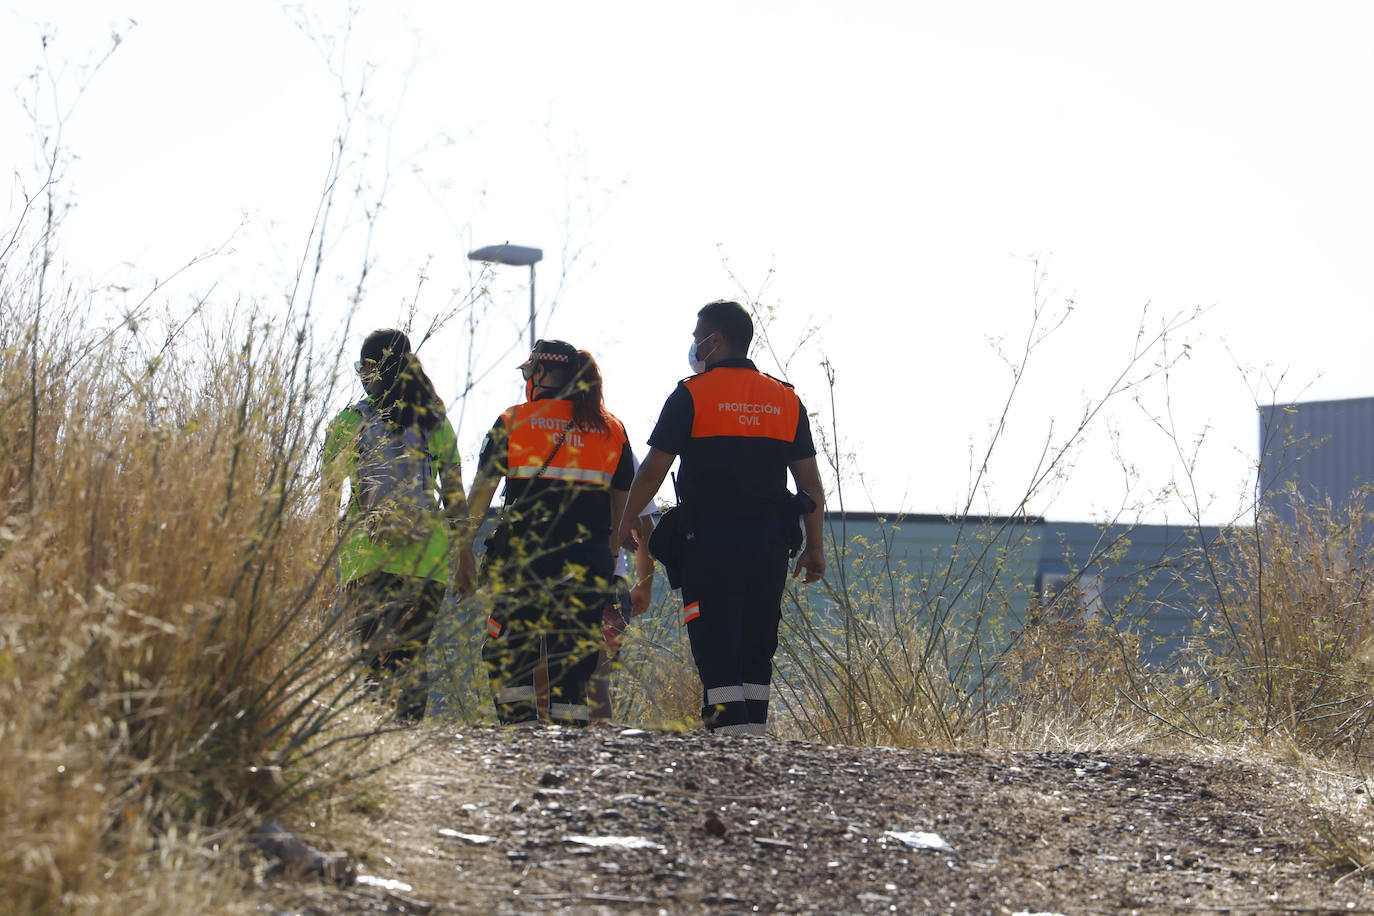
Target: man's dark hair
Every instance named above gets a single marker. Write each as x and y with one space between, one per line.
387 348
732 321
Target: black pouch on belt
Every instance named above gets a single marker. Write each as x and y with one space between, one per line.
798 505
668 543
497 546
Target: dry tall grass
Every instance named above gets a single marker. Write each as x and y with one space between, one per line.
169 667
898 654
1290 642
656 681
1283 651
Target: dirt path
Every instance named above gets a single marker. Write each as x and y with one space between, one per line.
500 821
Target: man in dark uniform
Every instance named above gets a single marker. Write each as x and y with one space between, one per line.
738 432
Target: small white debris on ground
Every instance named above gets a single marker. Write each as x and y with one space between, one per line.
615 842
918 839
385 884
476 839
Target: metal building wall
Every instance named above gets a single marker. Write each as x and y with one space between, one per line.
1148 579
985 559
958 588
1324 448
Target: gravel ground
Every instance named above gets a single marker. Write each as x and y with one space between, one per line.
536 820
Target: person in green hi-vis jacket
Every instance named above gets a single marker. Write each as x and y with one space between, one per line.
405 518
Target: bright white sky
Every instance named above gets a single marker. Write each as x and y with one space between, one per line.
886 172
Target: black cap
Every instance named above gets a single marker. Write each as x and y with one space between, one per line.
553 351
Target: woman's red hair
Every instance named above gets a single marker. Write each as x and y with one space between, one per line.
589 402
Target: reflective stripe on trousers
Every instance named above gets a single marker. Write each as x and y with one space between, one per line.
524 694
573 713
739 693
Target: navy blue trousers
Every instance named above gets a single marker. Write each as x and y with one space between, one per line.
733 578
559 600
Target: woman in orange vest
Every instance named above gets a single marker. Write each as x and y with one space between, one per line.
567 468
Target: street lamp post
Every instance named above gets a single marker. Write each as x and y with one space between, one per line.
515 255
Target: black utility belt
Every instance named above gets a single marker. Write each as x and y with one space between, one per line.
731 518
796 504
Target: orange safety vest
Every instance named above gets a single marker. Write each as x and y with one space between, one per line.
742 402
535 427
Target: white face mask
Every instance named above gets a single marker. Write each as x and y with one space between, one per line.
698 363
